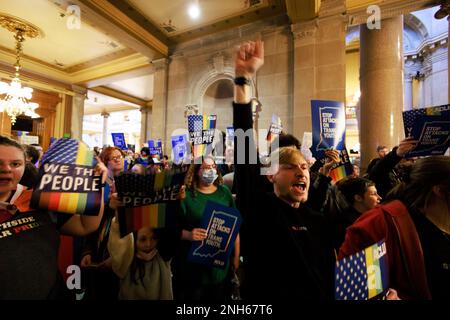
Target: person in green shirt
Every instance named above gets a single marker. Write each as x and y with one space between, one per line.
194 281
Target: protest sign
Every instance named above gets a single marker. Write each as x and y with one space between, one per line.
431 127
201 133
67 183
363 275
179 149
119 140
149 200
328 125
222 224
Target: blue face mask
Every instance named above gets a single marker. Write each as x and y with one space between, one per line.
209 176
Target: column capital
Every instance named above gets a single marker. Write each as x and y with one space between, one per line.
79 90
305 32
105 114
145 109
161 63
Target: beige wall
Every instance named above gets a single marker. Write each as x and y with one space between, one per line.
198 64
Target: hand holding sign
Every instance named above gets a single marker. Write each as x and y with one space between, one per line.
222 225
405 146
197 234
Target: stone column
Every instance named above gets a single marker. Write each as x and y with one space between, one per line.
381 81
319 62
421 93
146 114
76 129
159 109
408 94
105 116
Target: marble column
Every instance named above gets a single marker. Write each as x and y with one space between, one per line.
159 109
408 93
319 62
381 81
105 116
77 112
146 114
421 93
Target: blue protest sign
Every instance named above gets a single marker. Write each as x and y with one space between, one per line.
431 127
155 147
179 148
222 225
119 140
328 126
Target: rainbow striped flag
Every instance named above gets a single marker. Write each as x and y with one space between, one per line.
149 200
275 128
343 168
67 183
363 275
201 132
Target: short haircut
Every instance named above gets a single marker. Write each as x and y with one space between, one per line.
350 187
381 147
33 153
5 141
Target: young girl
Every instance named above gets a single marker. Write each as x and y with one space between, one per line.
142 263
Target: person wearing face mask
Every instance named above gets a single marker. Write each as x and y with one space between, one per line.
194 281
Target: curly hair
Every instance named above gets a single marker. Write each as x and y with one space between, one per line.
105 155
191 179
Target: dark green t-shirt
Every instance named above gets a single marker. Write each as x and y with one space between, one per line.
192 212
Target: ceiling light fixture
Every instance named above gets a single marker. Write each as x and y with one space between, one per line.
194 10
14 100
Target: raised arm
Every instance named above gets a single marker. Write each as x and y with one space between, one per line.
248 181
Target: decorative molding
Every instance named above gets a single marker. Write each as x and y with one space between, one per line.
160 64
305 32
105 114
79 91
388 10
121 19
14 24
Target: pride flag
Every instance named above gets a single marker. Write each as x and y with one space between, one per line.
275 128
363 275
67 182
201 132
149 200
343 169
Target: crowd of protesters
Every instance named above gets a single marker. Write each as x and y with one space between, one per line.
296 222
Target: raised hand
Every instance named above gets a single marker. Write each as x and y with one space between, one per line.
405 146
249 58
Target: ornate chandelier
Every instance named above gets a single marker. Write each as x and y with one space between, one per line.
15 97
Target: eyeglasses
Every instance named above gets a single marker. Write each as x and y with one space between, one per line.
116 158
207 167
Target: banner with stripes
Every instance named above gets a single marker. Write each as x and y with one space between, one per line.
67 183
363 275
201 133
149 200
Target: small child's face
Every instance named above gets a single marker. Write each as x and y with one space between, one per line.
146 240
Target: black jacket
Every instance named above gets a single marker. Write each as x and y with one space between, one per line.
287 252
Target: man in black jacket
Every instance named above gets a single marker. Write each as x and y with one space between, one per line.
288 251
